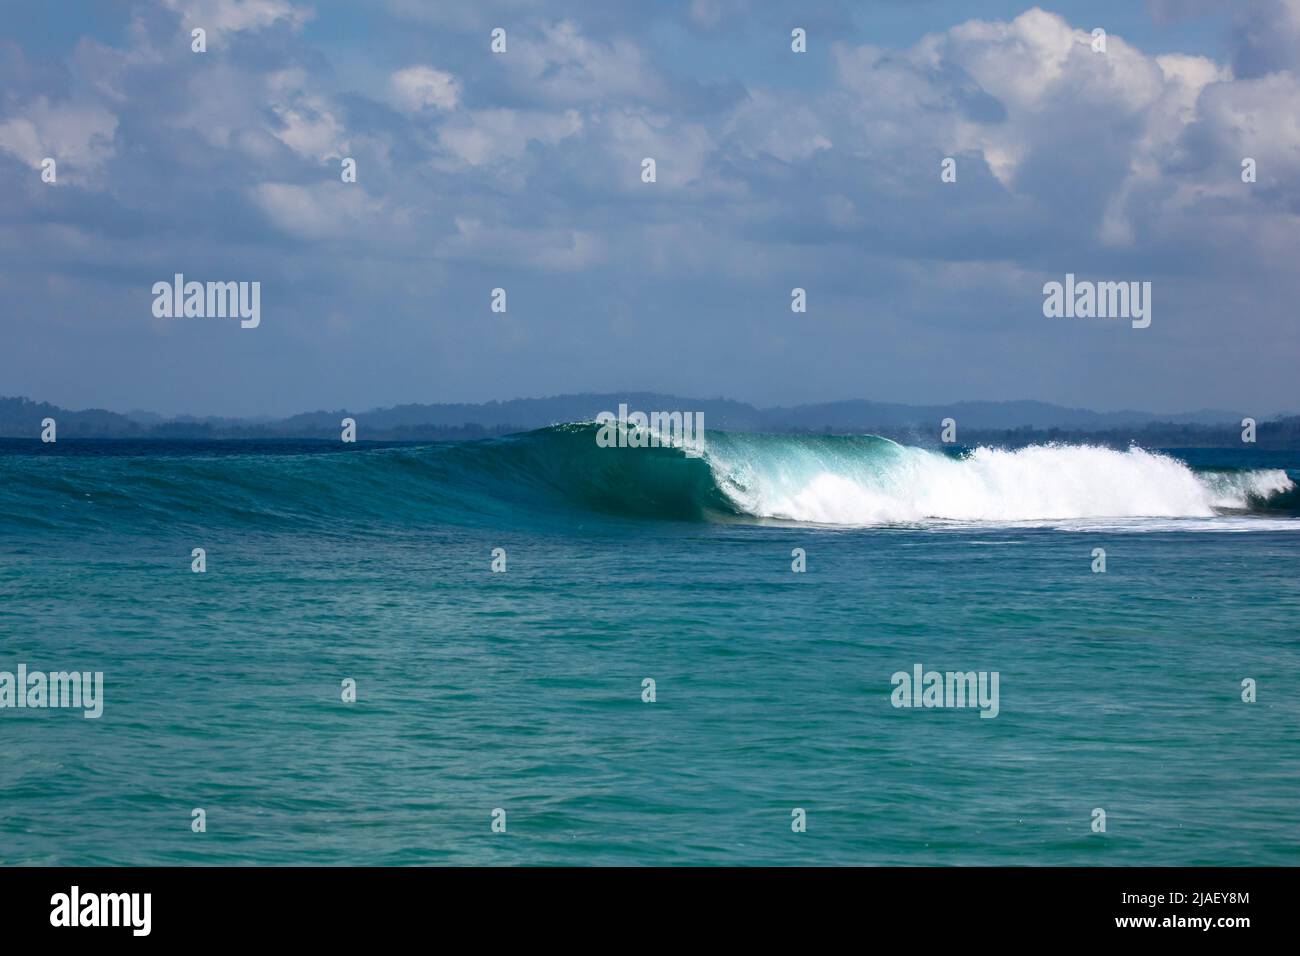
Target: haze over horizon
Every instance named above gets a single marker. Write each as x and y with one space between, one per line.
1271 413
566 406
775 170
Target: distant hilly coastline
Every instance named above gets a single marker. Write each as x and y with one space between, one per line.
1005 423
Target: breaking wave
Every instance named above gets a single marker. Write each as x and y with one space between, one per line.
850 481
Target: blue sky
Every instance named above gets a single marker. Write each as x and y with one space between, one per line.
775 170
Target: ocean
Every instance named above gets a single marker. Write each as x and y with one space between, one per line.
507 716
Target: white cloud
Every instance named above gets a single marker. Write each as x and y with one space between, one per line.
681 151
549 249
1007 90
418 87
230 16
333 210
484 137
79 136
1257 117
799 133
307 125
309 130
561 65
987 87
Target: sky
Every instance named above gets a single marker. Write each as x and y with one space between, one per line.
774 170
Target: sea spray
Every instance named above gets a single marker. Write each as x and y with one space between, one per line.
885 483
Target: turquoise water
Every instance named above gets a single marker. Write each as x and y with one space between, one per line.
523 690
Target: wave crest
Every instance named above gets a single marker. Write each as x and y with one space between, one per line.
549 474
885 483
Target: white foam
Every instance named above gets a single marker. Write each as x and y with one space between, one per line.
1039 484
